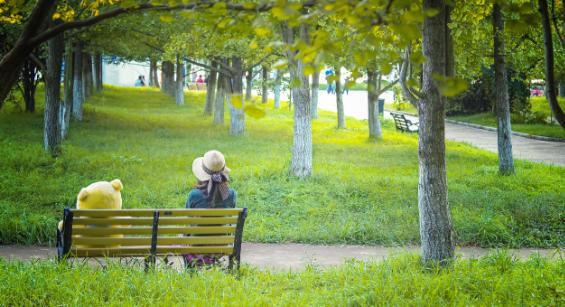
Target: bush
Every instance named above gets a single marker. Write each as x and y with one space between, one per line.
481 95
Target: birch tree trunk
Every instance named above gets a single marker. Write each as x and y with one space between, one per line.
301 161
277 89
237 123
222 85
51 132
504 128
249 85
373 90
179 91
264 85
211 89
78 97
65 117
339 99
436 231
315 90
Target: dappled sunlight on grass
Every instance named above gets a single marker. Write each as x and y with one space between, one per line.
361 192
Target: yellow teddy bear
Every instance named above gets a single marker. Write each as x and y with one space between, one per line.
100 195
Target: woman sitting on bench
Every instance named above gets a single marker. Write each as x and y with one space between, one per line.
211 191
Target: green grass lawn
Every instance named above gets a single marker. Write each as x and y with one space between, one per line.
539 104
496 280
361 193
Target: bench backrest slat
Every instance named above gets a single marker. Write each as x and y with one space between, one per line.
147 232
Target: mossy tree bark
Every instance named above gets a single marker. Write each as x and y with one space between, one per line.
51 128
436 230
168 78
504 128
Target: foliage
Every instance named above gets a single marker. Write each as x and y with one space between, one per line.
361 192
481 95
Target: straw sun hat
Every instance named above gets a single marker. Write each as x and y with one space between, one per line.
212 162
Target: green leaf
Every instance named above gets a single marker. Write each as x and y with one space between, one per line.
450 86
167 17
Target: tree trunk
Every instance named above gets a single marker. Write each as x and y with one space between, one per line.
249 85
211 89
222 85
87 74
152 71
339 99
551 92
315 90
78 97
264 85
504 128
65 114
179 91
277 89
155 75
12 61
98 72
168 78
237 126
51 131
301 161
373 90
436 229
29 81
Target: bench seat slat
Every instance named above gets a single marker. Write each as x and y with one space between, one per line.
147 230
137 241
149 212
149 221
145 250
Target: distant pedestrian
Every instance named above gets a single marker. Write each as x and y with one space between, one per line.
331 87
140 81
200 83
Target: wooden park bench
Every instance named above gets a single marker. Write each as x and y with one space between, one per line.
404 124
151 233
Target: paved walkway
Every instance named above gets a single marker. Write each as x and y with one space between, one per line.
355 105
293 256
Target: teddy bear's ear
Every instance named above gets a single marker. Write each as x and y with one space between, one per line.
117 184
82 194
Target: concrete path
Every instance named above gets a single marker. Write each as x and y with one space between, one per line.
355 105
294 256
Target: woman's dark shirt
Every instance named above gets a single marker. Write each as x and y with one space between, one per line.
196 199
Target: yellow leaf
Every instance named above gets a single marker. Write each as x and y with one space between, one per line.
254 111
56 16
236 101
253 45
308 70
262 31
